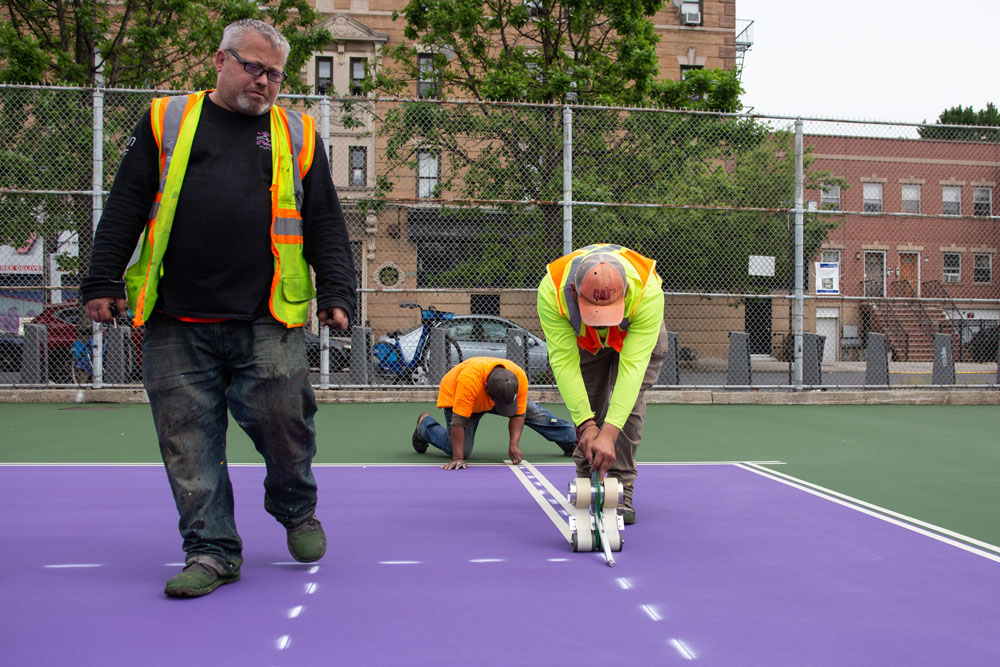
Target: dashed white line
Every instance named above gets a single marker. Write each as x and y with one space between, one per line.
683 649
650 611
59 566
295 611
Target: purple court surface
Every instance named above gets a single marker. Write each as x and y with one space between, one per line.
429 567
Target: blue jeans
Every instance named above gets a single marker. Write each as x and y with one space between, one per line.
194 373
536 417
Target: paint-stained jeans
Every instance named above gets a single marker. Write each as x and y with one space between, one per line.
537 418
194 374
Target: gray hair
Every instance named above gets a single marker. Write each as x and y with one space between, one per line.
233 34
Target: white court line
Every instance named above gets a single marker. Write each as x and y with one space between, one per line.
895 518
549 487
562 525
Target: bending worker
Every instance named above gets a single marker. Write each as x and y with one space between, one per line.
481 385
601 308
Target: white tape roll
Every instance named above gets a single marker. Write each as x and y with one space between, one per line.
612 491
582 492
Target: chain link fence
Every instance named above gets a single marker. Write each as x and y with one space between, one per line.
794 252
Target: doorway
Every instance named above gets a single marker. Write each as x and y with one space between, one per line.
874 273
909 273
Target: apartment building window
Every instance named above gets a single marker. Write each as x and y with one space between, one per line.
690 13
873 197
358 68
982 267
426 86
428 173
982 203
687 69
911 198
830 256
829 197
358 160
951 199
324 74
952 268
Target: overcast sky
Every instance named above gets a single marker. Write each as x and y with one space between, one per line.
901 60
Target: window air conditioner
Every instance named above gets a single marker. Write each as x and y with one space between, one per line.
691 18
952 278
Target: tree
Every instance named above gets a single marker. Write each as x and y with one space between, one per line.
46 135
688 168
989 118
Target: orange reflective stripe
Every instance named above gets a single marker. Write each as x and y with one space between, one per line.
308 145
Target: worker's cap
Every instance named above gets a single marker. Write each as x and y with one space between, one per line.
501 386
600 290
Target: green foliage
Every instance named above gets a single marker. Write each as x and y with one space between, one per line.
46 136
692 175
142 44
988 119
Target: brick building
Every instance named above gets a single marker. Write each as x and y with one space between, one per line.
917 220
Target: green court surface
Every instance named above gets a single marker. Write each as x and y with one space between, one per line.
938 464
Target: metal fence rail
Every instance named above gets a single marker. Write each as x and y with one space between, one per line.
775 227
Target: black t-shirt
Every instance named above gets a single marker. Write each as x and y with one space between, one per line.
218 262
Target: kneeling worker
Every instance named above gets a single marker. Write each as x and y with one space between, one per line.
481 385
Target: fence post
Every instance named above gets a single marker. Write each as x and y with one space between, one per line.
438 362
799 260
738 370
943 370
812 358
361 355
97 195
669 372
35 355
876 360
567 202
517 350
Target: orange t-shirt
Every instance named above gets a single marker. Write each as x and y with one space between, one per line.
463 388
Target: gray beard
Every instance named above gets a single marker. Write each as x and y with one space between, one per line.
251 108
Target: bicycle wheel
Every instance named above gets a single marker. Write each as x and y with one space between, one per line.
421 372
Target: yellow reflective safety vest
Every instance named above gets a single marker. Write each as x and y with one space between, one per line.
563 269
174 121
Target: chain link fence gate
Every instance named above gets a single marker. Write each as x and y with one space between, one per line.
794 252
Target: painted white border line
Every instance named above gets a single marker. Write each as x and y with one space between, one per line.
887 515
562 525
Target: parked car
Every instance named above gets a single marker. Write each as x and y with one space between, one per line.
984 344
486 336
340 353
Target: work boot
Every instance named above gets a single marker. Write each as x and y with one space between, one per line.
628 512
419 445
197 579
307 541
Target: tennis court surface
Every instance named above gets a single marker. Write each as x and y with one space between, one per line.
728 564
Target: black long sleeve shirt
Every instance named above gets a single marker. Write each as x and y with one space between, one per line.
218 262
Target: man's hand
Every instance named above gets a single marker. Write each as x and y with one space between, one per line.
514 453
598 447
457 464
104 309
335 318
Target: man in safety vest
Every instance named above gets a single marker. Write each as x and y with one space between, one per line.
475 387
233 200
601 308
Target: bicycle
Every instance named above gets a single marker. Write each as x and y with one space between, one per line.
394 366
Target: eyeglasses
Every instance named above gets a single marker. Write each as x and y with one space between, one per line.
255 70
